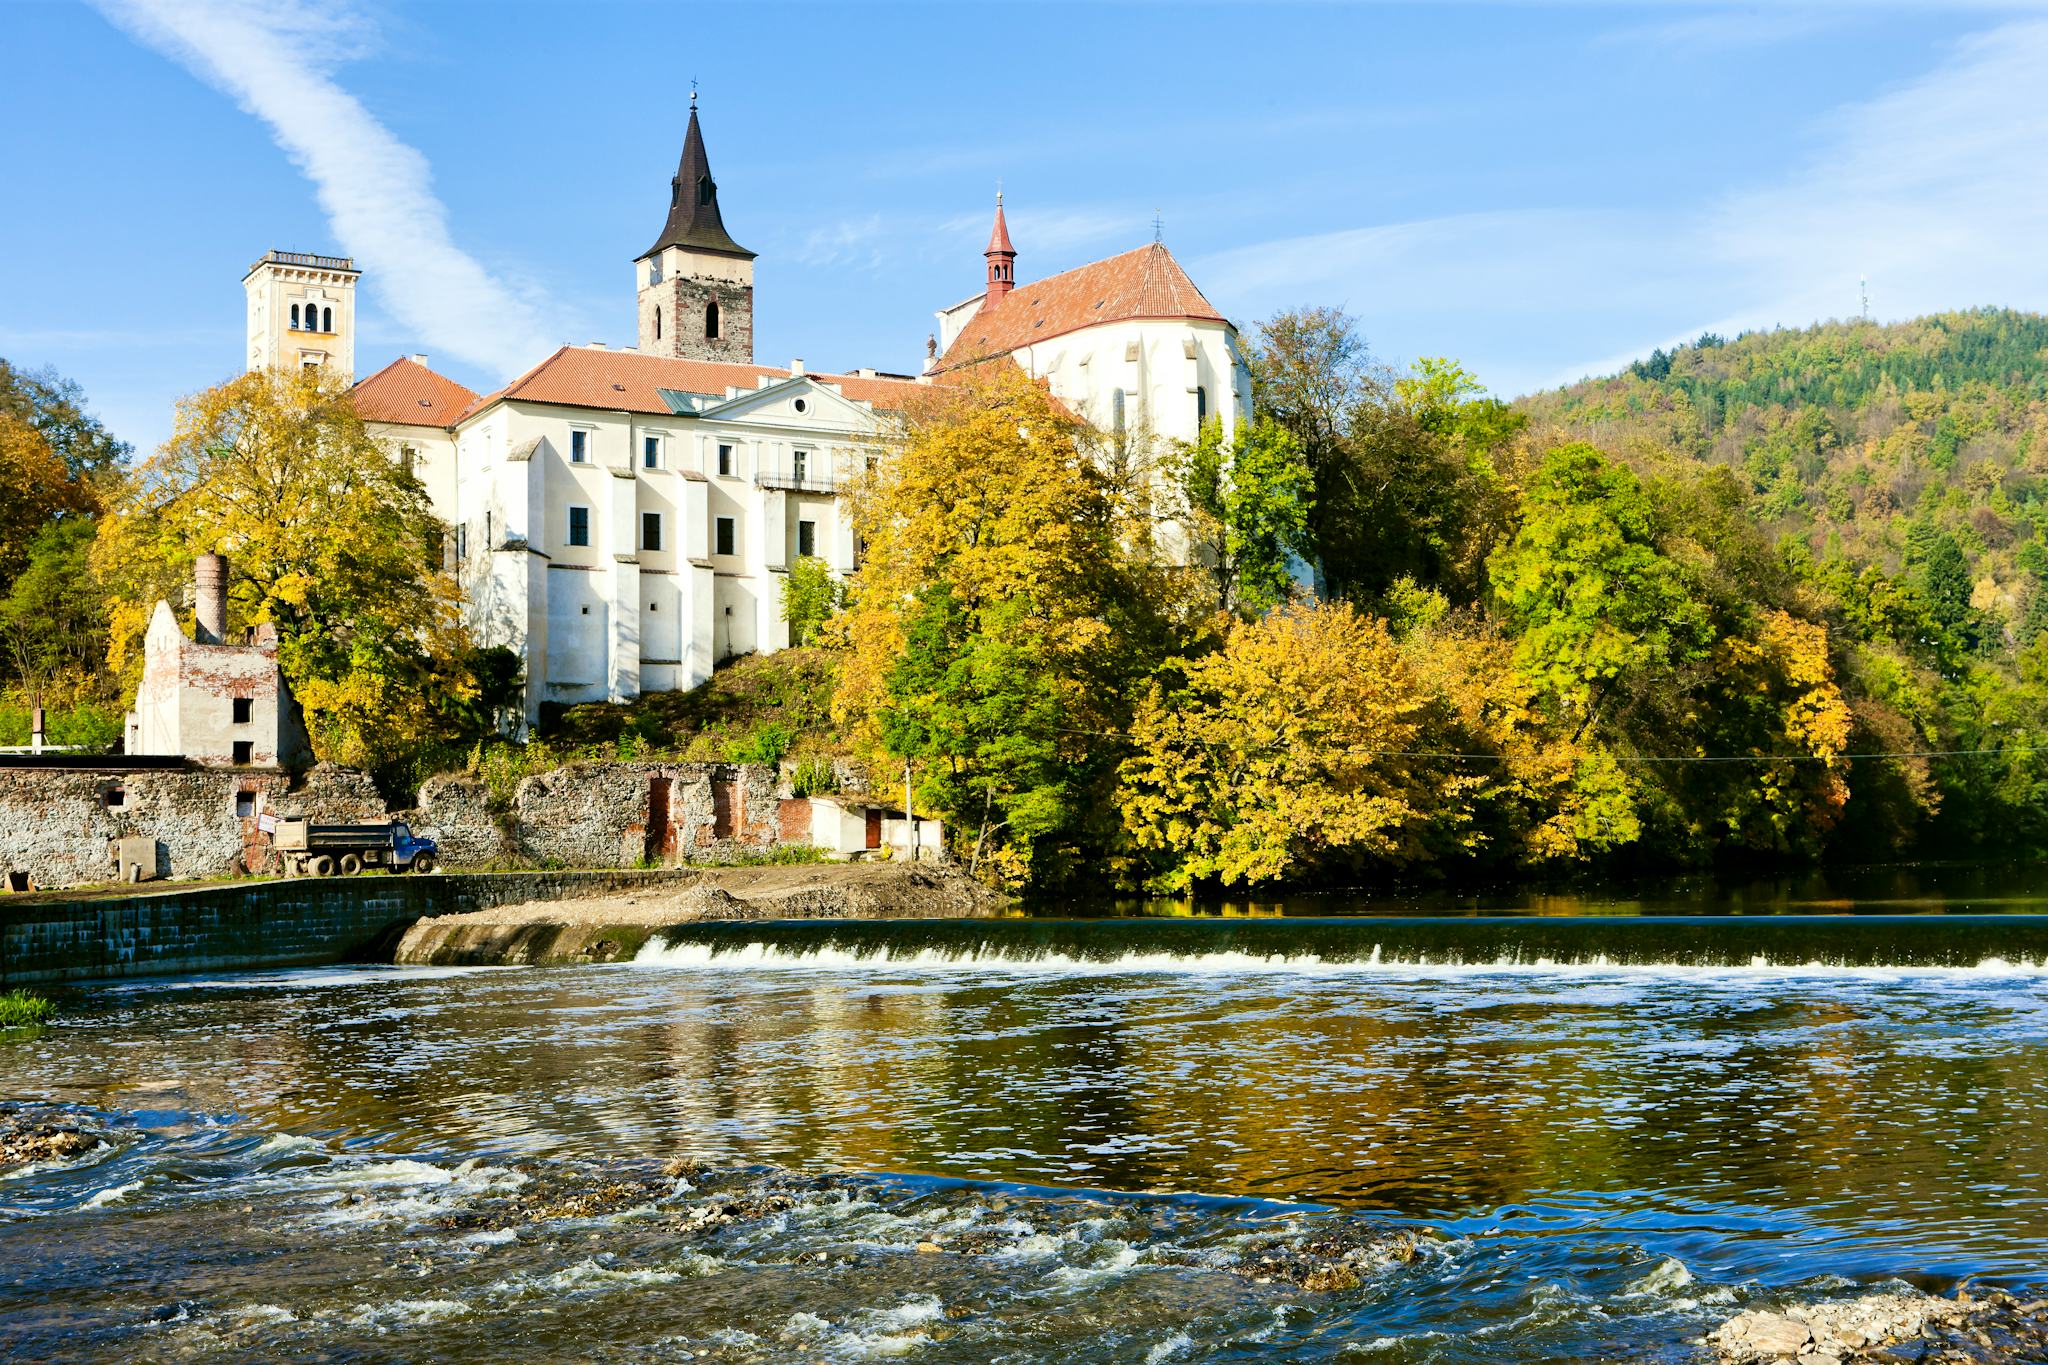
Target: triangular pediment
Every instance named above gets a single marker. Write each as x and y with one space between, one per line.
777 401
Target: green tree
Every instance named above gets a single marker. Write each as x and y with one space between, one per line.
1584 584
809 597
1244 500
55 408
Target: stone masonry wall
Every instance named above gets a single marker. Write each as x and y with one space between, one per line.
58 826
598 814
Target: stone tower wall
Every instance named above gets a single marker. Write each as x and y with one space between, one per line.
682 299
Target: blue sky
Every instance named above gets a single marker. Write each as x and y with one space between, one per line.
1539 190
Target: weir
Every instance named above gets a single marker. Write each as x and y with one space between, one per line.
1948 942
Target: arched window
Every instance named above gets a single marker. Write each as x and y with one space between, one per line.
711 320
1201 405
657 322
326 319
295 317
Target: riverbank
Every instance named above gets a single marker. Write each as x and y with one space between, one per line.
613 926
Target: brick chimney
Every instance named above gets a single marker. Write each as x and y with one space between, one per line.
210 600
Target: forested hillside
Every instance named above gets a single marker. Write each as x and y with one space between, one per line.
1888 446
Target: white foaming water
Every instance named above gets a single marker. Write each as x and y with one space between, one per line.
114 1195
659 952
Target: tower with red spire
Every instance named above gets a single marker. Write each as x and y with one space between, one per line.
1002 259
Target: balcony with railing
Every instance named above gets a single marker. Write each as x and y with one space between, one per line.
798 478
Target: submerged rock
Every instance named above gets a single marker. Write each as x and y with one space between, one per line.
24 1143
1330 1262
1990 1329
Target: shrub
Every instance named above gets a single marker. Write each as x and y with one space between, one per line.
18 1007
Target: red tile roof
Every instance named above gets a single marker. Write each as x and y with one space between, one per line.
1146 283
592 377
407 392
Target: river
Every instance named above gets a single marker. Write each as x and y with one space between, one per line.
1445 1137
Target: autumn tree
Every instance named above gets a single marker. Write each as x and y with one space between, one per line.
1004 607
35 490
55 408
329 539
1299 748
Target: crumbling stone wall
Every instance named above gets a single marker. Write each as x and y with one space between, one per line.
57 826
599 815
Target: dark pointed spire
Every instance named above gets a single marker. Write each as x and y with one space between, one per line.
693 219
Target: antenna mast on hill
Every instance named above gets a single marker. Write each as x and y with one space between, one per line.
1863 287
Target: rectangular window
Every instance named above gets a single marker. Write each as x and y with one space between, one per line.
579 525
726 536
245 710
800 464
1201 405
245 753
807 537
461 544
579 446
650 452
650 530
654 270
245 805
725 460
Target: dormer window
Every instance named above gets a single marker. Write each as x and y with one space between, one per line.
705 189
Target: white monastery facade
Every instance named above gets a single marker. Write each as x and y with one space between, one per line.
624 519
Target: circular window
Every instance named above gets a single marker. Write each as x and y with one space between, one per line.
802 405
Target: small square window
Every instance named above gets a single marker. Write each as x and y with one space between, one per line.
726 536
245 805
650 452
579 525
113 798
245 710
586 611
725 460
579 446
245 753
650 530
651 607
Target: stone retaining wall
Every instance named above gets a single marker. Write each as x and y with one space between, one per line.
58 826
262 924
606 815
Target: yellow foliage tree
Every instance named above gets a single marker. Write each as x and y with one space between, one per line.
1006 601
329 538
35 489
1296 748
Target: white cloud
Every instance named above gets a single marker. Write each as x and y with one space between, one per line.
277 61
1932 189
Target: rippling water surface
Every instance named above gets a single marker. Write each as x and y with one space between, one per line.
1291 1148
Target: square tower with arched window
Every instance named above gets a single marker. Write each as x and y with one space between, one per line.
302 312
696 284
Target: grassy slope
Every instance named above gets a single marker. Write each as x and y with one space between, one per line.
760 707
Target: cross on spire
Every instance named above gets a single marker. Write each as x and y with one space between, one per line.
1158 226
693 92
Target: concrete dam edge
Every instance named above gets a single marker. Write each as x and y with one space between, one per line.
466 918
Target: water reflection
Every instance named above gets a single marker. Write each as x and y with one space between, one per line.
1895 1122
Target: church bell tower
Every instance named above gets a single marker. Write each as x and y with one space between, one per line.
696 284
